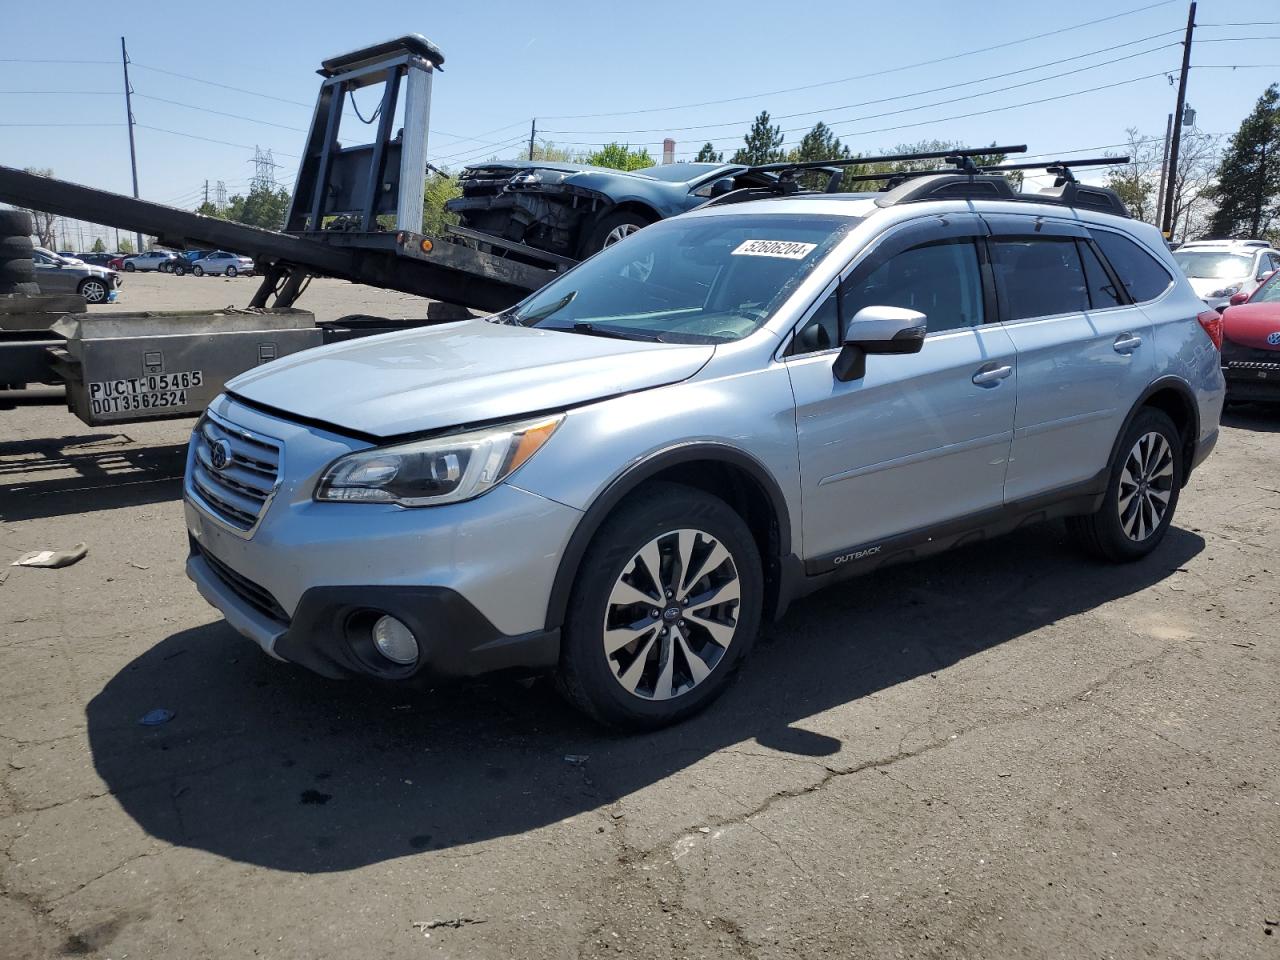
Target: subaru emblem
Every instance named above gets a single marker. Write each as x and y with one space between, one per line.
219 454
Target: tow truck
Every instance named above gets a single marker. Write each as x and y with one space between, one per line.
356 214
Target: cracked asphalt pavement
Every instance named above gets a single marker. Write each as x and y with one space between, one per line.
1007 751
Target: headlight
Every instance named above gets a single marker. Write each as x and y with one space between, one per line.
440 470
1226 291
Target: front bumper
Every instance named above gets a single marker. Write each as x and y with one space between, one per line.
328 632
471 579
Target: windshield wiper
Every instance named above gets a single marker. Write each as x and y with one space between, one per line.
542 314
615 333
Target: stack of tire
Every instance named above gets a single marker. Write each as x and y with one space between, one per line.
17 269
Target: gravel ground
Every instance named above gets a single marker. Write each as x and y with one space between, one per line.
1007 751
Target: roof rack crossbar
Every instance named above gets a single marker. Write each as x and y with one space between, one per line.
960 156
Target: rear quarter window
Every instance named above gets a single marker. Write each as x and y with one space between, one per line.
1141 273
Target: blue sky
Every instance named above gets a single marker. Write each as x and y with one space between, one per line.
510 61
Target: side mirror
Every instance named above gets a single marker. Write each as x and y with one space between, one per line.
1238 298
878 330
721 187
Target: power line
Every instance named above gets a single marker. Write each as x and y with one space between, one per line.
20 60
192 136
905 96
220 113
64 93
61 124
874 73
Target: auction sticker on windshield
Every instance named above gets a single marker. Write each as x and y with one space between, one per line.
156 391
787 249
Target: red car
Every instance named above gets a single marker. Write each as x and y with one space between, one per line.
117 263
1251 343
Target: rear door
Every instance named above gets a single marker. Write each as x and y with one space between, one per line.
921 438
1084 351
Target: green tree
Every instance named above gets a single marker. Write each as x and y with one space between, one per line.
1248 188
210 209
440 187
126 245
98 246
546 150
762 144
262 207
708 154
819 144
620 157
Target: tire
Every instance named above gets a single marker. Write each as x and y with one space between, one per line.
611 229
129 268
231 271
28 289
94 290
1130 524
17 271
197 271
179 270
15 223
15 248
652 680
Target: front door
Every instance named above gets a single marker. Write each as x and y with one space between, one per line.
921 438
52 275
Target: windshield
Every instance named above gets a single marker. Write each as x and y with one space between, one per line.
1269 292
686 280
679 172
1212 266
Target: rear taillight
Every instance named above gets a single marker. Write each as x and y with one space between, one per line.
1211 321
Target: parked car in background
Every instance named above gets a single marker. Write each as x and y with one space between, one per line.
182 263
70 256
151 260
1251 343
57 274
1220 269
575 210
117 260
97 259
222 263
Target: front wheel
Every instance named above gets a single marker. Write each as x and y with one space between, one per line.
1142 492
179 270
667 604
198 270
94 290
129 268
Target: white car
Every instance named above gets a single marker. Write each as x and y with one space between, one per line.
222 263
151 260
1219 269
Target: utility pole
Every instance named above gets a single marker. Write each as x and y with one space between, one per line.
1164 165
1175 141
128 108
533 132
206 192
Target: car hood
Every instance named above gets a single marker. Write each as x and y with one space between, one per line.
458 373
1250 324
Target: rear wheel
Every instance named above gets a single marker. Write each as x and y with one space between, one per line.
667 604
1142 492
231 271
179 270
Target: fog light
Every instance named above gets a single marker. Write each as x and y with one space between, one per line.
395 641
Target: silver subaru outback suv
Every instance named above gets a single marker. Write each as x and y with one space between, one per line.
619 478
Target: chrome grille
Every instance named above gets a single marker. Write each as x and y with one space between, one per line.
238 492
1252 365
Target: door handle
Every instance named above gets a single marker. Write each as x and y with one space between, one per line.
1127 343
991 375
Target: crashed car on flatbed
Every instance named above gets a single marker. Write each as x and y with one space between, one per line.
575 210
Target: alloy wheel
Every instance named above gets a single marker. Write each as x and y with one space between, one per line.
93 291
620 232
1146 485
672 614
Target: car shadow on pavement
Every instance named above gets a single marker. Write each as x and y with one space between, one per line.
266 764
77 474
1261 418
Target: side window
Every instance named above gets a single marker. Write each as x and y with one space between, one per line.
1102 292
1039 277
941 280
1141 273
